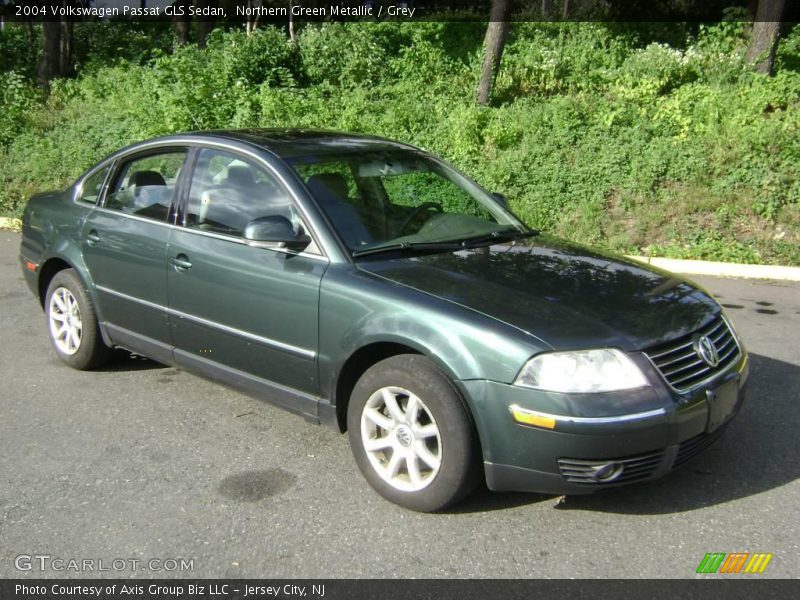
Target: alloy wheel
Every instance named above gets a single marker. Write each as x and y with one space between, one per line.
66 326
401 439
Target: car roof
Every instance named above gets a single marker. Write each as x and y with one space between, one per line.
291 143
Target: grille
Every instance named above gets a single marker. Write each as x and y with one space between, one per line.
638 467
679 362
694 446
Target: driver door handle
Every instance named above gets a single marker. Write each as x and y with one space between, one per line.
92 238
181 262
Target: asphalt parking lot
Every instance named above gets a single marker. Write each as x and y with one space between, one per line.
141 461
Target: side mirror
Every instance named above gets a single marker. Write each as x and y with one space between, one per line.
501 199
274 232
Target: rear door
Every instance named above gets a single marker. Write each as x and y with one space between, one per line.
244 313
125 248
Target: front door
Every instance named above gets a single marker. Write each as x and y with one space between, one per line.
245 313
125 248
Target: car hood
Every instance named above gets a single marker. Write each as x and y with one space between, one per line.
567 295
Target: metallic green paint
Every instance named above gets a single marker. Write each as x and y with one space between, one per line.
129 259
270 294
566 295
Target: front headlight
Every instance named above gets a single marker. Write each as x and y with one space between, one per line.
581 371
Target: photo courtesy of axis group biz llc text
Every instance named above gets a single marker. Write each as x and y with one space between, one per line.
170 589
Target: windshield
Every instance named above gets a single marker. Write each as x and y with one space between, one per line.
387 198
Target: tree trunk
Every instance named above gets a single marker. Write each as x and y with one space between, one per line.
49 61
182 24
292 32
765 35
65 49
31 30
252 21
182 27
565 12
494 42
205 24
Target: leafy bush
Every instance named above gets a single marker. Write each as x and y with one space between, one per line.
99 44
17 99
338 54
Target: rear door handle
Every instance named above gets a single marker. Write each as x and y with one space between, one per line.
92 238
181 262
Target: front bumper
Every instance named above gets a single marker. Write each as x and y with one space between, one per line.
642 434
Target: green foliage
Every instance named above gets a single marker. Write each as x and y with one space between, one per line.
104 44
338 54
19 49
641 138
17 99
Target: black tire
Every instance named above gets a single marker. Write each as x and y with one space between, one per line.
91 352
442 408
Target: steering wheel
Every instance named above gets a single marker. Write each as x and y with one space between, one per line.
416 212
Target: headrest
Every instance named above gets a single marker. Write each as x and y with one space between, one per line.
145 178
242 176
330 183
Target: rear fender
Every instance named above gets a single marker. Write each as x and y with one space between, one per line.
68 250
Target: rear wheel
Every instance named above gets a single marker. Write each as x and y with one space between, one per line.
72 324
411 434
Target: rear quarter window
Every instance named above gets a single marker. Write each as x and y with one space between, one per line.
92 186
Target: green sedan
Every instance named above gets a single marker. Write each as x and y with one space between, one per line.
370 286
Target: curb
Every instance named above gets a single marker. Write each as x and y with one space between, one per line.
722 269
10 224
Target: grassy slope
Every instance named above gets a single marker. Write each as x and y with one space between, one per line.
597 132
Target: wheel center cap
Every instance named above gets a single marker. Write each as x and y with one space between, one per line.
404 435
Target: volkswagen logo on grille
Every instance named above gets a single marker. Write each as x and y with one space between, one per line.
706 350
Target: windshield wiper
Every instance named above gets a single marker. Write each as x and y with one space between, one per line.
494 237
498 236
408 247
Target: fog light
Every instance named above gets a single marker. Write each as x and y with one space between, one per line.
607 472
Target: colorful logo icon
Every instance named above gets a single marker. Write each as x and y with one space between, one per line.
735 562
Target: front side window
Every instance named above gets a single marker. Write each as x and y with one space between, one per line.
229 191
388 197
145 186
93 186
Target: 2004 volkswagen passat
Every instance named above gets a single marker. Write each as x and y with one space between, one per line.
368 285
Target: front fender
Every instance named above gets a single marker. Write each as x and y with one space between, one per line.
358 309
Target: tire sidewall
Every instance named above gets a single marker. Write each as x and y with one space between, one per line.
457 473
92 349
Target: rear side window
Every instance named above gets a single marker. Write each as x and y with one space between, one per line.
145 186
93 186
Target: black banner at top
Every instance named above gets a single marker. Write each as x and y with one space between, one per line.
280 11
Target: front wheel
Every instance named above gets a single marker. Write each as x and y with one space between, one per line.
411 434
72 324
